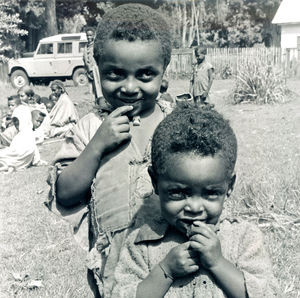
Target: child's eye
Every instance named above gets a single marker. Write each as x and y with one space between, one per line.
114 75
177 194
212 194
146 75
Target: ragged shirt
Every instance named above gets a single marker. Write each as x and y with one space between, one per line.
241 243
120 187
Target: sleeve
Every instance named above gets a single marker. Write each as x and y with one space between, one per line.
132 268
256 266
74 144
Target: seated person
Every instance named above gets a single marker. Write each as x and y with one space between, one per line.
9 130
165 100
191 249
48 103
22 151
38 119
25 93
63 115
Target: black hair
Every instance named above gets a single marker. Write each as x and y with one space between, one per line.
200 50
133 22
86 29
191 129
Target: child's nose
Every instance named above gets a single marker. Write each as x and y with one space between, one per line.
194 204
130 86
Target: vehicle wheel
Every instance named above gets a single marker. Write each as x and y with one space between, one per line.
19 79
79 77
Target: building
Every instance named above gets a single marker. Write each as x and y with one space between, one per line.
288 18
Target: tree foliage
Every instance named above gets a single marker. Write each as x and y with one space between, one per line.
9 28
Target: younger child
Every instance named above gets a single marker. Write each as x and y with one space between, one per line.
38 119
110 157
202 77
9 130
193 250
165 100
25 94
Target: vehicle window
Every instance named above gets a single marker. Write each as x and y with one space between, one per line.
64 48
45 48
82 46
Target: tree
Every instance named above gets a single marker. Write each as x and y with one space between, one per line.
9 29
51 17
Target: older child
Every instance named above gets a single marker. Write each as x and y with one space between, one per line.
132 49
202 77
192 249
63 115
91 65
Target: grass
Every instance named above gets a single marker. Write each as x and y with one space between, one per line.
39 257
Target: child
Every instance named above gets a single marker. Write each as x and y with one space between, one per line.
165 100
38 119
63 115
202 77
25 94
9 129
22 151
132 49
90 64
53 98
48 103
193 250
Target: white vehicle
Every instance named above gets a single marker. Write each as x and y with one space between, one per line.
56 57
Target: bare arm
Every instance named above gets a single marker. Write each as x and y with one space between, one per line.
211 76
156 285
74 182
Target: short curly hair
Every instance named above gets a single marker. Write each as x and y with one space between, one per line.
190 129
133 22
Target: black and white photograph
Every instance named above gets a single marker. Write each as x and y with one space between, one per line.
150 148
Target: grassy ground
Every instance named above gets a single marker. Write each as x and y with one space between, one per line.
39 257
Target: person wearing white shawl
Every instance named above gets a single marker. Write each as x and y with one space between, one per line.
22 151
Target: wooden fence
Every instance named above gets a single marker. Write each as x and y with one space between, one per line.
182 59
221 58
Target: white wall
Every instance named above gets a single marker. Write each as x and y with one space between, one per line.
289 35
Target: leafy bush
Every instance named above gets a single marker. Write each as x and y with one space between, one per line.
259 82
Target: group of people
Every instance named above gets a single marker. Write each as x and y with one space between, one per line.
31 119
152 179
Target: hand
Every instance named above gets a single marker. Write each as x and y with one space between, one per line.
114 130
180 261
205 242
205 94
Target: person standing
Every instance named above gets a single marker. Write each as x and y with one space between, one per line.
91 65
202 77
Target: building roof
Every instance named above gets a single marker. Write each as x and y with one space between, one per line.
288 12
65 37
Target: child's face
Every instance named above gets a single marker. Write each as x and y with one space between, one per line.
49 107
16 123
131 74
193 188
32 100
23 96
12 105
200 57
90 36
37 121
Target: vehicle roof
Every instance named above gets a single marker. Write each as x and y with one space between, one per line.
65 37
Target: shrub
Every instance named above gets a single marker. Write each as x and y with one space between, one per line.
260 83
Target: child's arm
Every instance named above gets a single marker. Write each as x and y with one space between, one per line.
210 73
229 277
180 261
74 182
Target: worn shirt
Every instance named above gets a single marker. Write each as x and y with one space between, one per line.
241 242
109 231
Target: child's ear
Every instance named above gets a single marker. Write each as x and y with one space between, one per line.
231 184
153 179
